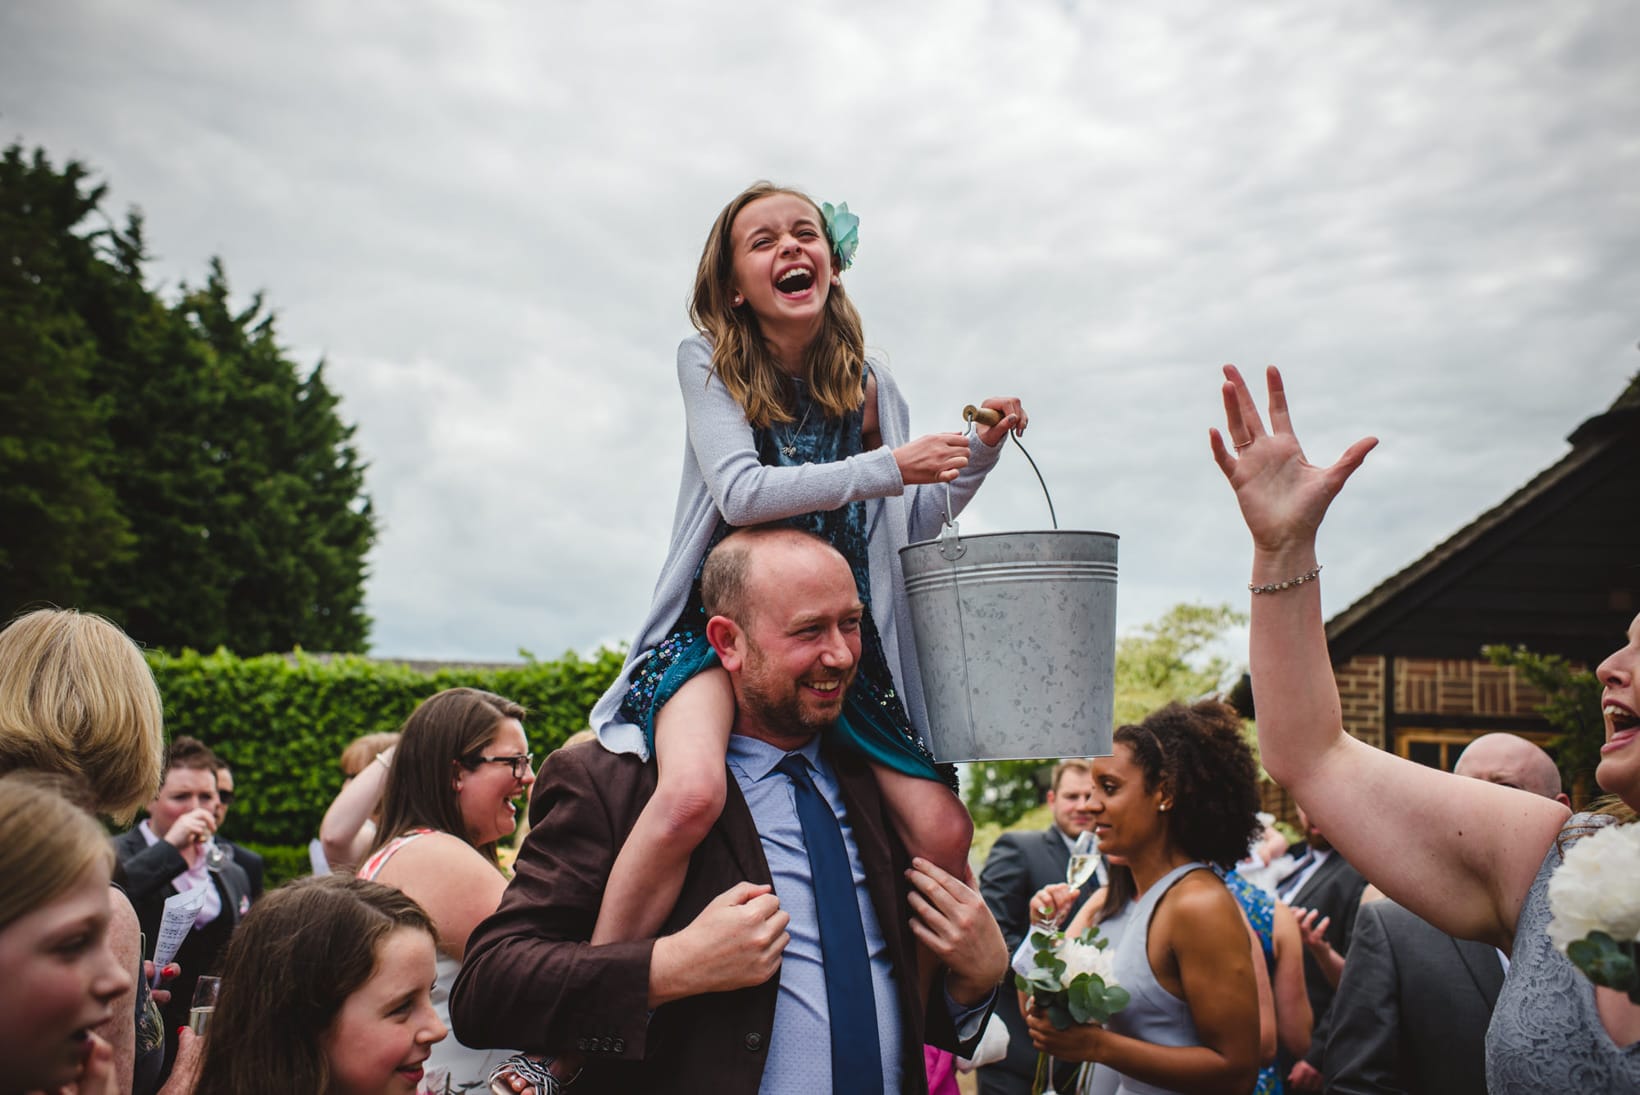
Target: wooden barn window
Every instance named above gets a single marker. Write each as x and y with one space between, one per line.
1440 748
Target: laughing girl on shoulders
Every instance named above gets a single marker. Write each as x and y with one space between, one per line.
788 422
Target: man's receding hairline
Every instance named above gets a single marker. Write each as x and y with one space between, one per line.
743 556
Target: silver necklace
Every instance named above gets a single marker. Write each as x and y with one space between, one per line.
790 447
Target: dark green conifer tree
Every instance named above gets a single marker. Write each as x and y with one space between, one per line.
167 464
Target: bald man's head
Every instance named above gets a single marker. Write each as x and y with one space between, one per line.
1513 762
729 579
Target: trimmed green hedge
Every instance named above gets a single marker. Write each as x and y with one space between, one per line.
281 862
282 721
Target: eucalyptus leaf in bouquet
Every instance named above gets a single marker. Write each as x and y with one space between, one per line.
1071 980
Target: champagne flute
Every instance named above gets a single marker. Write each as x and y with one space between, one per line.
1084 860
204 1003
215 855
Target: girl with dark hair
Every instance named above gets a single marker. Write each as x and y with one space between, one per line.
325 989
461 761
788 421
1176 799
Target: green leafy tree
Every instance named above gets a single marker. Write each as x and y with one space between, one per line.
164 463
1571 706
1169 659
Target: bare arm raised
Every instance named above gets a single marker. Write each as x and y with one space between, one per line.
1460 853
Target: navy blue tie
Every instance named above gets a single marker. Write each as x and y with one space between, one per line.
856 1059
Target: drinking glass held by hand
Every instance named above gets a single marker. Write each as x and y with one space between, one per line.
204 1005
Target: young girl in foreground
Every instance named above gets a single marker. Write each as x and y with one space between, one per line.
326 988
787 422
61 976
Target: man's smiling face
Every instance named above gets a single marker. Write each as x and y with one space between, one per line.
802 641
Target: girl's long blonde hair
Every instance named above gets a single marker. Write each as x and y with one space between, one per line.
834 363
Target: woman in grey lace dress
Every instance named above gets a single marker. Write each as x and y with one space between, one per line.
1485 851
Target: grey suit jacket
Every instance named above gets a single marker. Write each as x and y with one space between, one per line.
1412 1009
1018 866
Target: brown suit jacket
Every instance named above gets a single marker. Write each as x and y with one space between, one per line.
530 980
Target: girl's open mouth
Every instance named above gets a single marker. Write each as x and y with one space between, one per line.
794 281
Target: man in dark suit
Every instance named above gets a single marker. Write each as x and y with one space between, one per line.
166 854
1414 1003
736 996
1320 879
1019 865
250 862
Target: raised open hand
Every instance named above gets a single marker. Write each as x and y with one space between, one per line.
1282 496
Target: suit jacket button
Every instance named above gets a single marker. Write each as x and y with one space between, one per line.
607 1044
754 1041
620 1045
583 1044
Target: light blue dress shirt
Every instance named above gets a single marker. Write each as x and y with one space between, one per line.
800 1043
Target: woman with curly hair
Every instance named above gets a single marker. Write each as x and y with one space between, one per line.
1175 799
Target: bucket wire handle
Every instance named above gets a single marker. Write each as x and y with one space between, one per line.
951 548
985 416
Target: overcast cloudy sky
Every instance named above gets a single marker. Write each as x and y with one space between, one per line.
485 217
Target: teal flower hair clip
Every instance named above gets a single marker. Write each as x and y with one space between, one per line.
843 229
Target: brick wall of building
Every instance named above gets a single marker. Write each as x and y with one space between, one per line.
1463 688
1361 694
1423 686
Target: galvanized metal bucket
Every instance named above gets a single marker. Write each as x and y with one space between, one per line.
1016 639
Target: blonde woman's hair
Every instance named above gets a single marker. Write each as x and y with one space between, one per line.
1593 819
77 698
834 363
47 843
1614 807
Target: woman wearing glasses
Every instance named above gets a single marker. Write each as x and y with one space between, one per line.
461 761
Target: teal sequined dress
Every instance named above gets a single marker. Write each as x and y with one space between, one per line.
1260 908
874 721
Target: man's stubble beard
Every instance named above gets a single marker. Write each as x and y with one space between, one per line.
783 717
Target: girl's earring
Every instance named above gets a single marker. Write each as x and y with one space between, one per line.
835 280
739 300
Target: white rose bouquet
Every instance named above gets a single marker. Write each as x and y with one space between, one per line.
1068 980
1594 901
